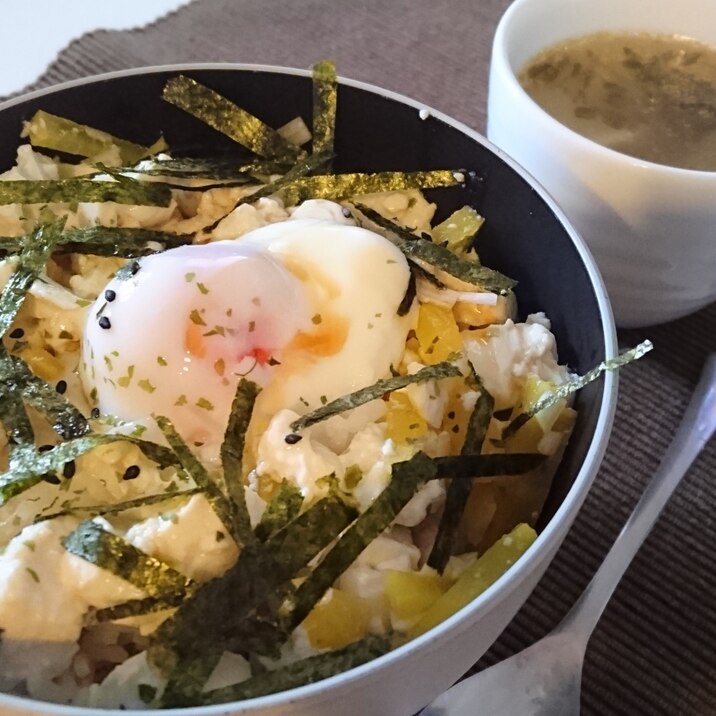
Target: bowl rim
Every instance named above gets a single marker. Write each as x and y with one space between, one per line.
501 63
547 541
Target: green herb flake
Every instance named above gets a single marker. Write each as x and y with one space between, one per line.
162 361
189 277
202 288
181 400
146 385
33 574
196 319
204 404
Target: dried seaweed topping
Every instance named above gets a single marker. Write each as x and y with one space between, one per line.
63 135
283 507
417 248
232 449
473 466
575 384
302 672
345 186
117 507
138 607
103 241
93 543
48 191
17 378
28 465
371 392
410 293
325 91
218 615
31 262
229 119
192 168
459 490
196 470
301 168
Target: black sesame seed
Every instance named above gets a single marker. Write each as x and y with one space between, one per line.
61 387
346 212
135 267
292 438
52 479
451 415
455 429
104 322
45 448
131 472
69 469
110 295
94 413
17 333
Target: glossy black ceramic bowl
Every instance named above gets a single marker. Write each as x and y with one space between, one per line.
525 236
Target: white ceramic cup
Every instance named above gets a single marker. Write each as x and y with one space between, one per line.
651 228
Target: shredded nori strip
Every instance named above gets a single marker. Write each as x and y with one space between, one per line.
232 449
139 607
407 478
472 466
28 465
410 293
459 490
222 613
66 420
283 507
371 392
229 119
574 384
47 191
194 467
325 93
421 249
191 168
93 543
117 507
300 169
102 241
13 414
302 672
345 186
31 263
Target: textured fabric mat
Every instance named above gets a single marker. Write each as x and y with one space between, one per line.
654 651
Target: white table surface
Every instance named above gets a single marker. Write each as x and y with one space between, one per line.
34 31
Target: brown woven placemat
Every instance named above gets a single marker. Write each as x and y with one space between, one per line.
654 651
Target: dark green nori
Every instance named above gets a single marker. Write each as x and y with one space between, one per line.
137 607
193 168
232 450
283 507
48 191
325 91
300 169
407 478
459 490
66 420
222 613
371 392
472 466
194 467
28 465
229 119
114 554
117 507
13 414
300 673
421 249
30 264
345 186
574 384
410 294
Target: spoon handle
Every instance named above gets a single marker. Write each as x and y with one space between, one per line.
694 432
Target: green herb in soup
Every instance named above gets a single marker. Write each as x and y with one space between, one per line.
650 96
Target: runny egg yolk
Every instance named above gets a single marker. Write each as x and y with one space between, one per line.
306 308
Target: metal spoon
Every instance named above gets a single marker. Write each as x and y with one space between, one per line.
545 679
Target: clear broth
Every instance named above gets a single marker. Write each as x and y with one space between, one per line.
646 95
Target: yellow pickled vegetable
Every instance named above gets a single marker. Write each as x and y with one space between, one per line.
409 594
403 421
43 363
470 315
437 333
458 230
338 620
480 575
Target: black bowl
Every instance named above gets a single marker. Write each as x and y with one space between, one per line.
525 234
